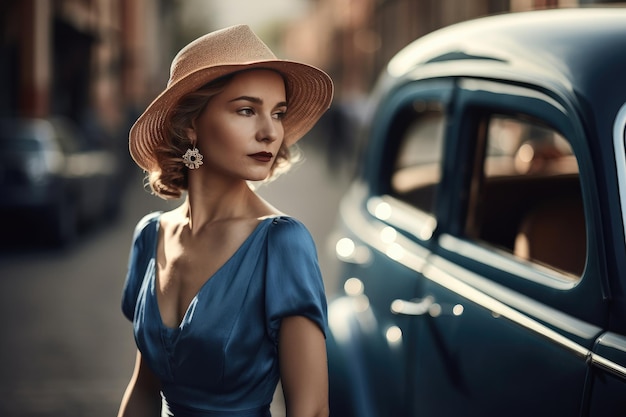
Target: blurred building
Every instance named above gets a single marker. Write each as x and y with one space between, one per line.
91 61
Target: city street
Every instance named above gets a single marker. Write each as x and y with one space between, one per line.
67 350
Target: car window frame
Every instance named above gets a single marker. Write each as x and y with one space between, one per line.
420 225
619 143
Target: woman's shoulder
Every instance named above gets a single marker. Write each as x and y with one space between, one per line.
289 230
288 224
146 223
147 220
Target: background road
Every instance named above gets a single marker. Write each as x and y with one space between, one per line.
66 348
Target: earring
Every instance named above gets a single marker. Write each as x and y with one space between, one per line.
192 158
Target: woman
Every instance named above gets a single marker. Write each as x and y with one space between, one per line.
225 292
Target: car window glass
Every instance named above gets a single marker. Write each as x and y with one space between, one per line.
417 166
526 195
20 144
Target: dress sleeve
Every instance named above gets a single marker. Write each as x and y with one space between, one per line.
144 239
294 285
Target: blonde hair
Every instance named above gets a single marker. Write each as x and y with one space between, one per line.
170 178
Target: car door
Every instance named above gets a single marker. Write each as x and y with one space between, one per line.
512 302
367 342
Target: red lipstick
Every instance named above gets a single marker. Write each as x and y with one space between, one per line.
262 156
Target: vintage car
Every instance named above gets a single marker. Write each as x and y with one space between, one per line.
53 182
482 245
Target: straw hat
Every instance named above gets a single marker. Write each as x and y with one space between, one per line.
309 90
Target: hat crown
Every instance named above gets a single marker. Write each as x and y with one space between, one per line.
235 45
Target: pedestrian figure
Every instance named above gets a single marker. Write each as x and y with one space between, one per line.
225 292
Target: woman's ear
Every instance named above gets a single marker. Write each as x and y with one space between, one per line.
191 135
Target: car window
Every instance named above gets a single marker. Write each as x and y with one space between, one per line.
417 164
20 144
526 195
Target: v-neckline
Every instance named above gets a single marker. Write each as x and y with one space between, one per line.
193 300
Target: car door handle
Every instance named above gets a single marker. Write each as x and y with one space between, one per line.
426 305
415 307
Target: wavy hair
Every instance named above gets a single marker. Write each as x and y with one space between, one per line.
171 177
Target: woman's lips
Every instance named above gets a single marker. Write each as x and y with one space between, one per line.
262 156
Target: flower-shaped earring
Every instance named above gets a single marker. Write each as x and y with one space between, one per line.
192 158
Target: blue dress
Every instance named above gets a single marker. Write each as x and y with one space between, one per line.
222 359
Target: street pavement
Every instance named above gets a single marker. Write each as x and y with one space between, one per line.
66 348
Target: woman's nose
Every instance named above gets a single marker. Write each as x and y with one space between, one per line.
270 129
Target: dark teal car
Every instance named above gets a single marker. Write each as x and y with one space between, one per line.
482 245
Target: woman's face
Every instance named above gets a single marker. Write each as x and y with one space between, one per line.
240 131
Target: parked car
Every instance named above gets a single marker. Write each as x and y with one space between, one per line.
51 182
482 245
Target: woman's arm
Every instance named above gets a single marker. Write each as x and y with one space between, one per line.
142 396
303 367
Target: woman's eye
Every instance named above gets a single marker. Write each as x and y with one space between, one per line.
279 115
246 112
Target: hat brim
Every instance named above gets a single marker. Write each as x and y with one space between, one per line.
309 95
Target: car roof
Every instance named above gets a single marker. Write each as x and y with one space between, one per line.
575 53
